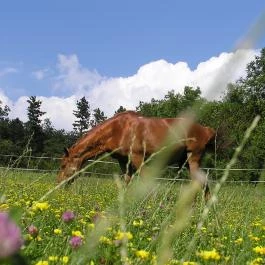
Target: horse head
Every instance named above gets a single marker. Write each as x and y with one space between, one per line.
70 164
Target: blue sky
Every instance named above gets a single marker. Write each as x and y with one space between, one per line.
111 38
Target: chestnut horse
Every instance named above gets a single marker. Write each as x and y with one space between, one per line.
128 136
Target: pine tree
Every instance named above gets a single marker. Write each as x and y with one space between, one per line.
4 111
120 109
99 117
83 116
35 131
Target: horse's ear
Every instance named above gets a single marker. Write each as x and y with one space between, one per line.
66 152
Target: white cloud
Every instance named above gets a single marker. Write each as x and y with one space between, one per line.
8 70
40 74
58 110
152 80
73 77
4 99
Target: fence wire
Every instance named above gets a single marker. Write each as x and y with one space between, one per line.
115 163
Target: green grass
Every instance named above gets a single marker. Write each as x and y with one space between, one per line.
234 226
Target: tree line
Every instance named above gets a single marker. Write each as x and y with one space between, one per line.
230 116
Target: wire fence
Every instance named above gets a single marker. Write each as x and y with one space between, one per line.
208 169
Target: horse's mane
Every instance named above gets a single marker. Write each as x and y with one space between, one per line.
94 129
132 112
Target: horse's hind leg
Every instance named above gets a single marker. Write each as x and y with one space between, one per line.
126 169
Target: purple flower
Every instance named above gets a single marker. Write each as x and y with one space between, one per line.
10 236
76 242
68 216
33 230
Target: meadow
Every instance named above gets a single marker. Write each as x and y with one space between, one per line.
98 221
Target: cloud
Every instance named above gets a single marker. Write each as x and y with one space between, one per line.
152 80
58 110
40 74
73 77
8 70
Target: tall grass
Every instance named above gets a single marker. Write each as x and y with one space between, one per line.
149 222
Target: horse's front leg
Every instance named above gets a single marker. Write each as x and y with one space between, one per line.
196 174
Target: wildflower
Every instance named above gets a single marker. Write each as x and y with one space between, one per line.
42 262
77 233
138 223
4 207
257 261
105 240
122 235
239 240
57 231
76 242
65 259
28 237
40 206
10 235
259 250
209 255
203 229
142 254
53 258
68 216
33 230
38 238
91 226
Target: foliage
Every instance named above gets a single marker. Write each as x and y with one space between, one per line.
232 234
230 116
4 111
83 116
172 104
120 109
33 126
98 117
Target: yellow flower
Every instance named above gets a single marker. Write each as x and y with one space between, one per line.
4 206
122 235
53 258
77 233
82 221
259 250
105 240
65 259
42 262
209 255
40 206
239 240
189 263
91 226
203 229
257 261
57 231
138 223
257 223
142 254
28 237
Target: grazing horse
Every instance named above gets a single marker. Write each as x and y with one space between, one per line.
131 139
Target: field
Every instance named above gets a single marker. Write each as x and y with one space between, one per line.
109 224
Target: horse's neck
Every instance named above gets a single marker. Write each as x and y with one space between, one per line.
92 144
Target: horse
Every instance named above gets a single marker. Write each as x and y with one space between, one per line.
132 138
